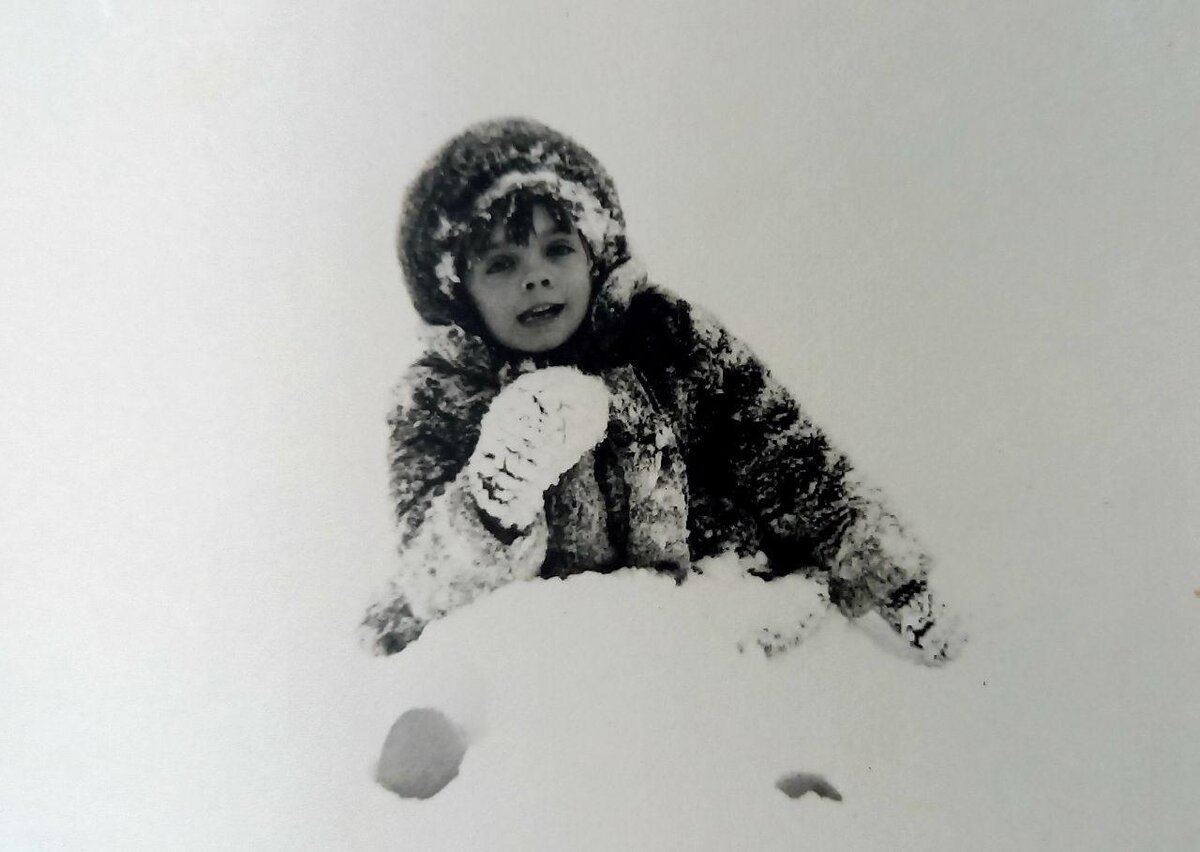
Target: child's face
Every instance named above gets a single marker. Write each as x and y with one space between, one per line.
532 297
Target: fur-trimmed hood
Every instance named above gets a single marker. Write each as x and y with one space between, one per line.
479 166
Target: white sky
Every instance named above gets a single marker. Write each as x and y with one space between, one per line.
965 233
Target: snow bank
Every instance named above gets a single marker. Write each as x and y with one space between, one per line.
616 711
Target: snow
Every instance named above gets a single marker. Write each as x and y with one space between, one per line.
618 712
966 238
591 217
535 430
447 273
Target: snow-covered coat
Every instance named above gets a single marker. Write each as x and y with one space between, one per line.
704 451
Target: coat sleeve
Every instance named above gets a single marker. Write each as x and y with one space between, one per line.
448 553
805 494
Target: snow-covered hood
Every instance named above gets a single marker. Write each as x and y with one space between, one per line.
480 165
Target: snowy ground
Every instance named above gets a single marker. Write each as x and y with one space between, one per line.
616 712
609 712
965 234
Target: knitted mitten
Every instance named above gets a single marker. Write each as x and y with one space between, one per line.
925 622
536 429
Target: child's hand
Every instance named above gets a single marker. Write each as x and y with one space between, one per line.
536 429
928 625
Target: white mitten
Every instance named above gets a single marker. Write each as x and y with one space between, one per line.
928 625
536 429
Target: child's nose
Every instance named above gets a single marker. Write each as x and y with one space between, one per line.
532 283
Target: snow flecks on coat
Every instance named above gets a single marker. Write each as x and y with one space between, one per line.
875 555
648 452
451 558
581 537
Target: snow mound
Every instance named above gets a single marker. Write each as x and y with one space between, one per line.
617 712
619 689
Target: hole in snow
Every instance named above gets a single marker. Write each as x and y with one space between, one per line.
798 783
421 755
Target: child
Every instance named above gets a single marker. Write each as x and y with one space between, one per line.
569 416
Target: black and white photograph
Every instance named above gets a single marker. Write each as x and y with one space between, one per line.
600 426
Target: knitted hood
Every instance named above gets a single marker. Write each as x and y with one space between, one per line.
476 168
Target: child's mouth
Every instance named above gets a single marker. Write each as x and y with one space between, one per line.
540 314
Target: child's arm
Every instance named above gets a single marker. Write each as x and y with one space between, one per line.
811 502
450 556
470 525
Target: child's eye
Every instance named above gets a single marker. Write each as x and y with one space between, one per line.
560 249
500 263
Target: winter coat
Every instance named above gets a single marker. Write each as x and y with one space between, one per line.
704 452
